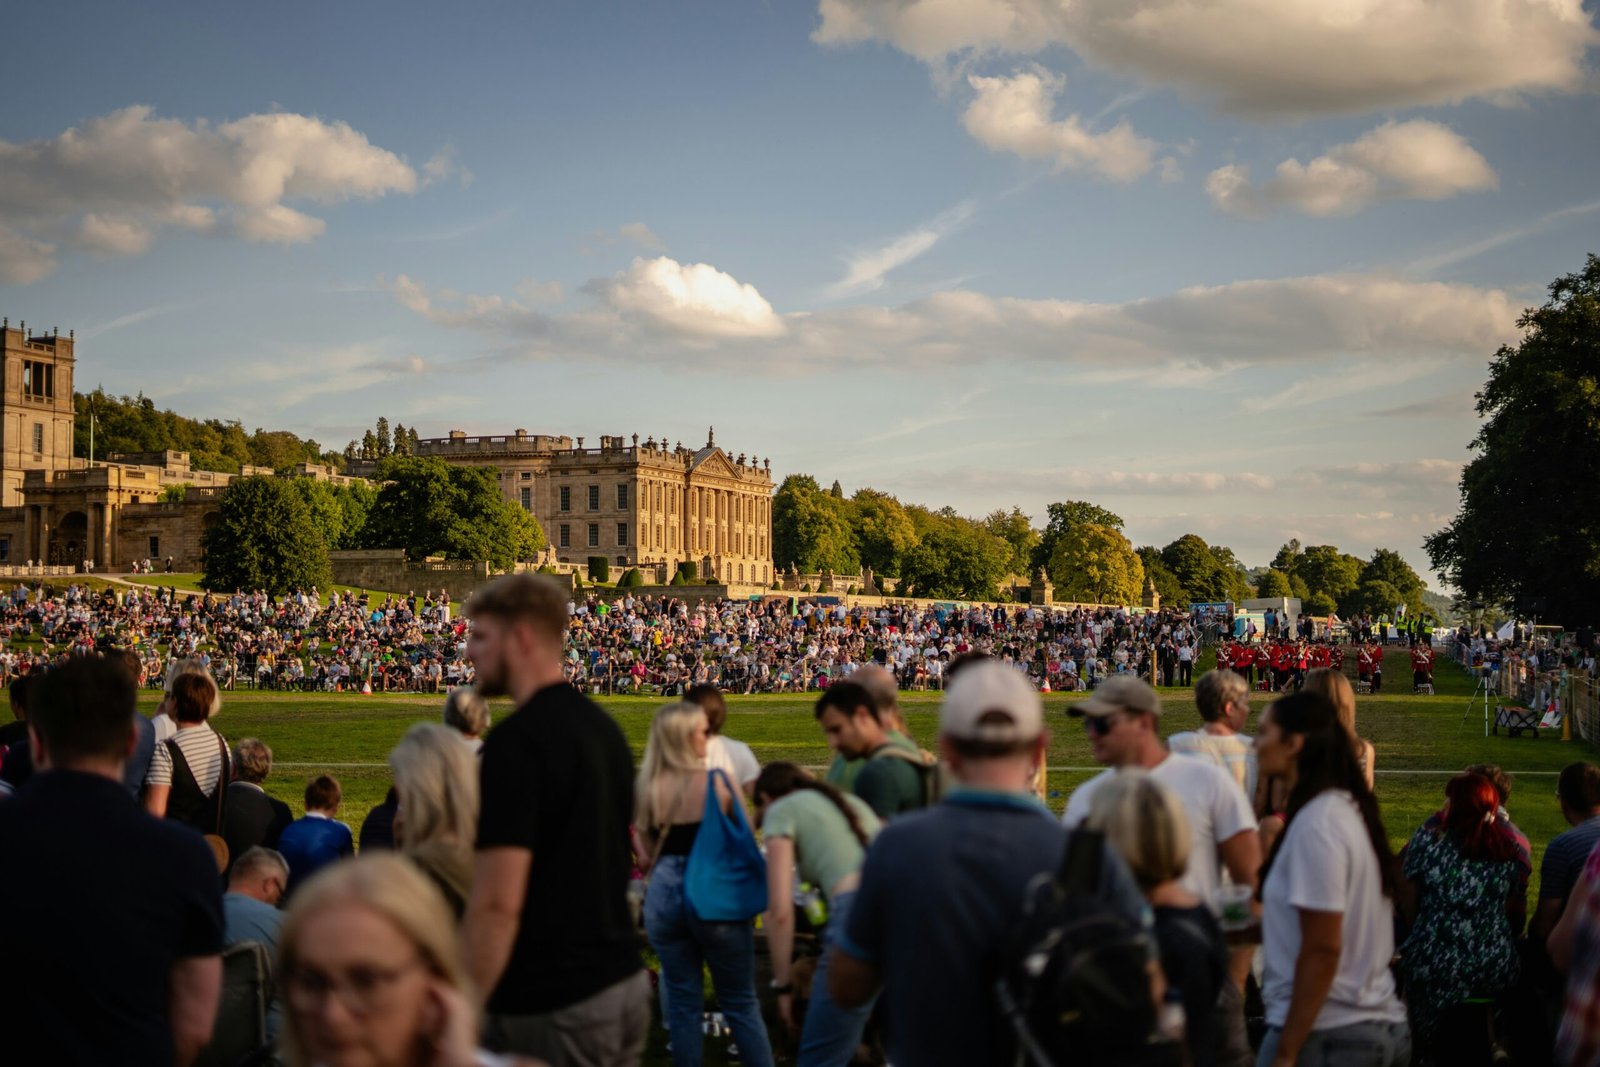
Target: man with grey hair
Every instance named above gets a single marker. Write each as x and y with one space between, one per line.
250 908
250 817
467 712
1223 698
880 684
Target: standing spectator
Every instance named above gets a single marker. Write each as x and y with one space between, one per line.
549 935
16 761
1578 792
1186 654
880 684
941 890
371 972
377 829
96 973
1464 872
1328 890
1341 694
810 826
890 781
318 839
251 817
733 758
436 820
144 747
1223 698
1145 822
1123 718
189 771
671 802
467 713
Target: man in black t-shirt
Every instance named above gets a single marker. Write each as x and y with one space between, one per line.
549 935
113 954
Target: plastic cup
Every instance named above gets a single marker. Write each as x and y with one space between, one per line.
1233 907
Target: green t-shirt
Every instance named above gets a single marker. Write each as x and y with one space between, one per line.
825 849
890 785
842 772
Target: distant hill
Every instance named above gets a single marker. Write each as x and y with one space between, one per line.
1442 606
135 424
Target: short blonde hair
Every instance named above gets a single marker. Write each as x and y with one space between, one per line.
436 776
466 710
1144 822
1336 687
668 749
393 888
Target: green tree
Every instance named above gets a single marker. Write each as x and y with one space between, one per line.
264 538
1238 582
1327 570
1320 604
385 443
955 558
340 511
1096 564
173 494
811 529
1202 575
1274 583
369 445
1375 597
1016 530
1167 585
1288 558
837 490
402 440
883 531
1390 568
1063 516
432 508
1528 530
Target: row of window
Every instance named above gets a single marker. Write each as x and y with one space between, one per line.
743 510
564 535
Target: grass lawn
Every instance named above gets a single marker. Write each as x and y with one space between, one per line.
1420 741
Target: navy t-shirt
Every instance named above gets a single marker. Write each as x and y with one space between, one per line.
1565 857
941 893
100 899
312 843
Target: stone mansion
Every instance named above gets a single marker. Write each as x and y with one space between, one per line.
637 504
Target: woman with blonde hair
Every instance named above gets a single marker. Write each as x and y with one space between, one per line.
1144 822
1337 688
436 815
370 967
670 800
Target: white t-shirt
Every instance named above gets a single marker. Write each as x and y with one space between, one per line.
1326 863
734 758
1234 753
1216 806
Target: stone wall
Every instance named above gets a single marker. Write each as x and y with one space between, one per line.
387 570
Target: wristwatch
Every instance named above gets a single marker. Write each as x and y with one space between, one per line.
782 990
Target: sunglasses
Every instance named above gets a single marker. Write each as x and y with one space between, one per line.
1100 725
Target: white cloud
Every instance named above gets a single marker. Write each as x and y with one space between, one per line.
641 235
1434 481
698 317
866 270
113 183
1417 160
695 300
1263 58
1171 170
1013 115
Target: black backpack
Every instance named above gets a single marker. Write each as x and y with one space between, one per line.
1074 983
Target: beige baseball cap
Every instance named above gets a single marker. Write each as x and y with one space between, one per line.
989 701
1120 692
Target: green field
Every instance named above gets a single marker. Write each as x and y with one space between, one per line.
1420 742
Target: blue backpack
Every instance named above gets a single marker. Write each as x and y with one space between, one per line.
726 880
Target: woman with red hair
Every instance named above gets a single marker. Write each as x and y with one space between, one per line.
1463 868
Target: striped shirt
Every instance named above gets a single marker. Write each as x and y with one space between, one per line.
200 749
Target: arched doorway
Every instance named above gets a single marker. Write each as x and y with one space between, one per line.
69 540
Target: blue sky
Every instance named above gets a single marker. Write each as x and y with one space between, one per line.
1238 275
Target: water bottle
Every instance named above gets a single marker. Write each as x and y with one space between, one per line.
1173 1021
812 905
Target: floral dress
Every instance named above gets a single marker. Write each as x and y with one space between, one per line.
1461 944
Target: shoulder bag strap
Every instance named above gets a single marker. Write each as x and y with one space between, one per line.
663 826
224 772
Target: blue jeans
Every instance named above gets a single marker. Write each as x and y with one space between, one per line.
1358 1045
831 1032
686 945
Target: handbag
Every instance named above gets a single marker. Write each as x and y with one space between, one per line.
726 879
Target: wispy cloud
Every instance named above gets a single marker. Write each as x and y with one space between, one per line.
866 270
467 228
133 318
1427 266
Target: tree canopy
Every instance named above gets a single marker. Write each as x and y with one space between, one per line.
135 424
433 508
1527 534
1096 564
264 538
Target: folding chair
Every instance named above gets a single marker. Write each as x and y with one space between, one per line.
241 1026
1516 720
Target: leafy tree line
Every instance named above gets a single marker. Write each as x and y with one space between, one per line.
275 533
379 443
1527 535
1082 548
135 424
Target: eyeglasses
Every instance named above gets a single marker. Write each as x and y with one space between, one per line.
1101 725
361 990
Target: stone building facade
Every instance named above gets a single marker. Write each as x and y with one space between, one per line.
646 505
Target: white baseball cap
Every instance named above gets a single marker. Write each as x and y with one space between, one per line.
989 701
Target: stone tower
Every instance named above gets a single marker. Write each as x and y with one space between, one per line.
36 412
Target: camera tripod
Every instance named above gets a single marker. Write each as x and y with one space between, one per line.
1485 691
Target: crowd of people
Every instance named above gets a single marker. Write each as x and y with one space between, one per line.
1210 898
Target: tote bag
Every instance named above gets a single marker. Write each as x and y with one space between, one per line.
726 879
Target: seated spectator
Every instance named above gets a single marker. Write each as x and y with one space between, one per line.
375 936
250 908
377 829
114 924
724 753
467 712
436 819
317 840
1145 822
189 771
251 817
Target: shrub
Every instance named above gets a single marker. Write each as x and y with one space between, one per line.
678 578
599 569
852 591
806 588
547 569
689 571
630 578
